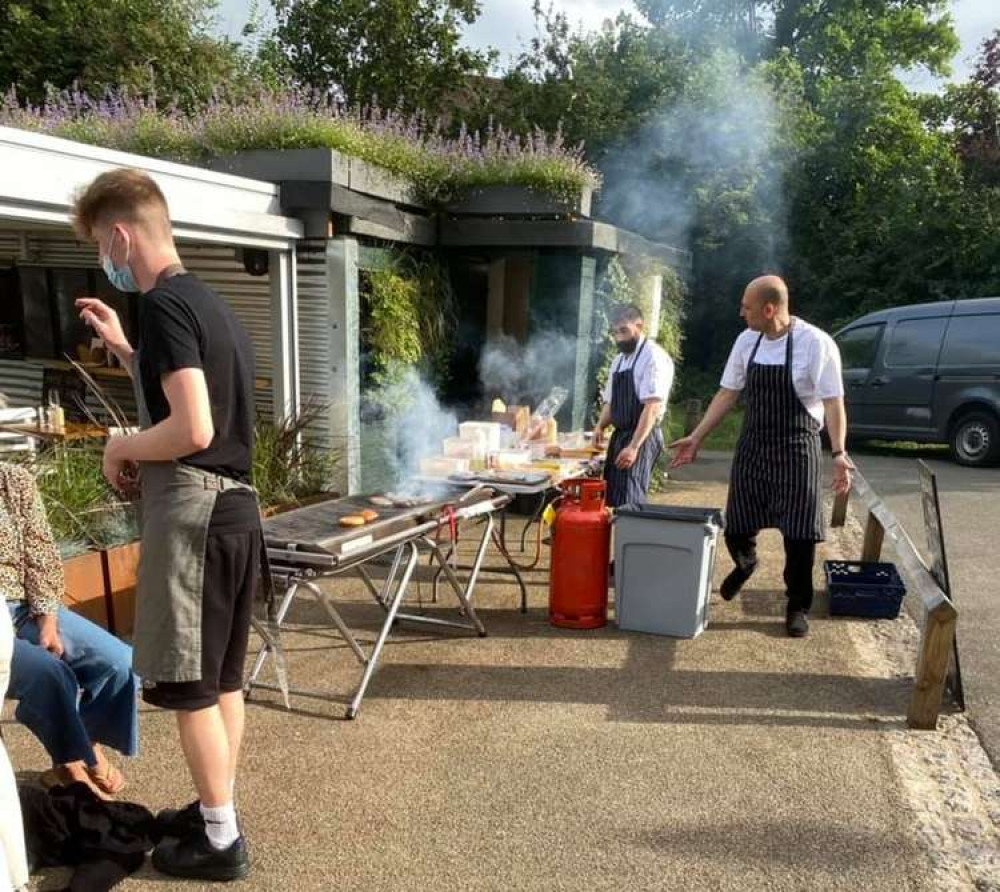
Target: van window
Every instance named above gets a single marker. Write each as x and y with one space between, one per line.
972 340
915 342
859 346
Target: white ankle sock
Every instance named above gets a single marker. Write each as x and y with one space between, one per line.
220 825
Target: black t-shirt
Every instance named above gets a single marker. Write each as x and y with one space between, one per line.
183 324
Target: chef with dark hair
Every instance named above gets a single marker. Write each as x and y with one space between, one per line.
635 401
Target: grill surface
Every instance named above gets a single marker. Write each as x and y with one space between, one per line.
316 528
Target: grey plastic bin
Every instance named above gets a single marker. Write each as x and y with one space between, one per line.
664 558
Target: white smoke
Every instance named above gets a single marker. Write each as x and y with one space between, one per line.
414 425
522 374
720 141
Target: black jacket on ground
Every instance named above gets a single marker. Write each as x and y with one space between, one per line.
71 827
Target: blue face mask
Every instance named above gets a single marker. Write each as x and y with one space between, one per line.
120 277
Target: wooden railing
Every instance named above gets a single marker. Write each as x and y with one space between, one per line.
938 635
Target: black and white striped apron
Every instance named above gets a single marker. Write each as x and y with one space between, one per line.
777 470
630 486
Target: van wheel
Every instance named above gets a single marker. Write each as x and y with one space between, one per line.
975 439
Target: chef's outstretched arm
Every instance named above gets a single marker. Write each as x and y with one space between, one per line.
686 449
836 426
647 421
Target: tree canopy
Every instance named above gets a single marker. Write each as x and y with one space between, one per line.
405 54
161 46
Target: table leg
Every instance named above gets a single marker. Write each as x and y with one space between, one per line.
265 648
393 609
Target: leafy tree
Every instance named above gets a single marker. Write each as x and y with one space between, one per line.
162 46
845 37
407 54
598 86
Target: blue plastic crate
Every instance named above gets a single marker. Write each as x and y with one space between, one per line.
859 588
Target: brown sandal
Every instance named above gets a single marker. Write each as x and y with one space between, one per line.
111 782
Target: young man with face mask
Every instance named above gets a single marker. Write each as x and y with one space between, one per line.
635 400
193 371
789 375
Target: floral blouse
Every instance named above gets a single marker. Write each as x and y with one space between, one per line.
30 567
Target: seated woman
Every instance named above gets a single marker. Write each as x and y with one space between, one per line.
13 860
73 681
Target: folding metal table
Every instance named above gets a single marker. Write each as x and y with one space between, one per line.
308 544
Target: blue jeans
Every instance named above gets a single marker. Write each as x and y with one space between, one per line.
89 696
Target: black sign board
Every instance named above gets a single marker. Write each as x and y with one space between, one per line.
934 533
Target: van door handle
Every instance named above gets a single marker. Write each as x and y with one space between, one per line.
879 382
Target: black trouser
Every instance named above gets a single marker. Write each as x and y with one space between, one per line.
800 555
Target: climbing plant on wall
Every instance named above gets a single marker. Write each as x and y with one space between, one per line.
409 325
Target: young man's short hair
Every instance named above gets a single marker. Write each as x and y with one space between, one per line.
627 315
124 194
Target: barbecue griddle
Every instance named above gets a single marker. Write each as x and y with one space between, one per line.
316 528
510 478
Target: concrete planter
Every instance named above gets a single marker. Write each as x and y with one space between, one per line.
319 166
521 201
85 593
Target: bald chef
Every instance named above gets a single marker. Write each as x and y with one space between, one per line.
635 400
789 374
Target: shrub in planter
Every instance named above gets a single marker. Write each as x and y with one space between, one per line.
442 168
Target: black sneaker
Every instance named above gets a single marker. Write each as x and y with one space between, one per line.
179 822
796 624
194 858
732 584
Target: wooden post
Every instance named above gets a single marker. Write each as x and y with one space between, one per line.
839 509
938 636
932 666
874 537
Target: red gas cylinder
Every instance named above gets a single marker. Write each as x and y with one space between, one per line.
581 550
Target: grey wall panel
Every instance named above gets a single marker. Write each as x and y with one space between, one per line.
217 266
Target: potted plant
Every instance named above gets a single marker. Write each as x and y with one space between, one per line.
290 468
77 500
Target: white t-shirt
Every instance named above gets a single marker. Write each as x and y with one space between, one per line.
653 372
816 372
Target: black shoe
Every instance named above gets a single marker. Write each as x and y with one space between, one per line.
180 822
732 584
796 624
194 858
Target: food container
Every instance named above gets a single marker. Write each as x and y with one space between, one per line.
538 450
508 459
456 447
470 430
443 467
518 418
573 440
474 450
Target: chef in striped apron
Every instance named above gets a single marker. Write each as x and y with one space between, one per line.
635 400
789 374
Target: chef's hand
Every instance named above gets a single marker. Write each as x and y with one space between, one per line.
598 436
685 452
626 458
121 473
105 323
842 467
48 634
